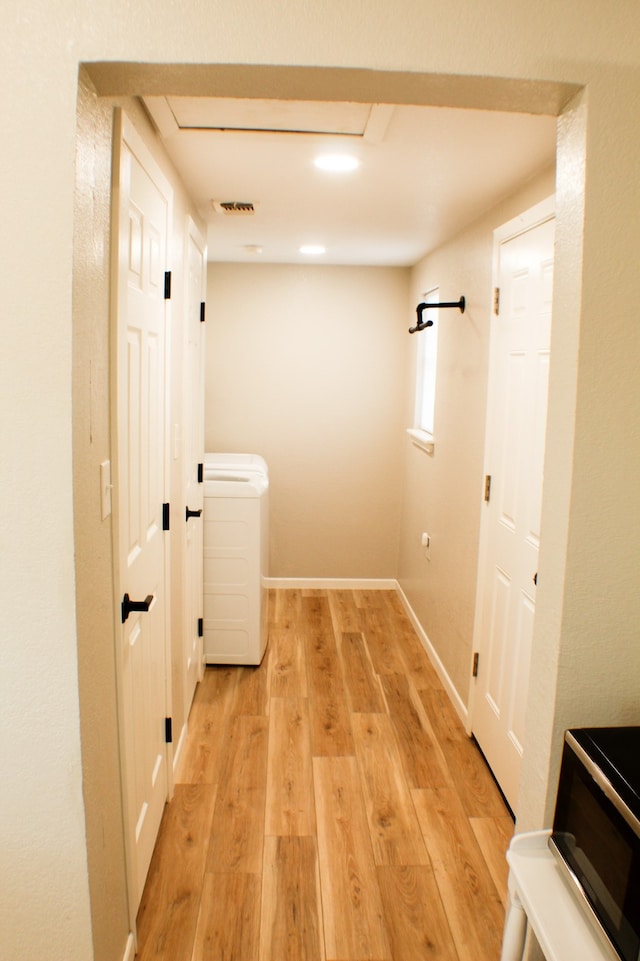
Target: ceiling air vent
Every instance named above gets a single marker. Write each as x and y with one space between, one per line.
234 208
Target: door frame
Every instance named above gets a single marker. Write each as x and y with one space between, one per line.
527 220
192 233
124 131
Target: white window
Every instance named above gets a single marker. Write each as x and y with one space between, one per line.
425 396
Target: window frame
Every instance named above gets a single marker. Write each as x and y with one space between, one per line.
422 429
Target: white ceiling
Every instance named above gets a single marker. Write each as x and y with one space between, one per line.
424 174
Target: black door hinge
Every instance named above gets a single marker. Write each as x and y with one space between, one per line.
168 730
200 473
201 627
166 516
167 285
496 301
476 658
202 312
487 488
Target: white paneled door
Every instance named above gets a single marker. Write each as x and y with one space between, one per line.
142 211
193 458
514 458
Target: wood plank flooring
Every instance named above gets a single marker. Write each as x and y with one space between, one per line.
328 805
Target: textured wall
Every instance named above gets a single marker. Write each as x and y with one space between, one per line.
94 581
526 57
442 492
305 366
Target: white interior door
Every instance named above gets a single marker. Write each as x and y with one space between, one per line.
514 459
142 210
193 457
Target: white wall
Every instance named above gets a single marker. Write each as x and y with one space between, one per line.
442 492
93 542
488 54
305 366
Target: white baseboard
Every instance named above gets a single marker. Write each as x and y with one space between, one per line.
332 583
439 667
179 746
130 949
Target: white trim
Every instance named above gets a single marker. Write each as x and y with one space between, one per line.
168 314
440 669
421 439
332 583
426 374
130 948
528 220
533 217
178 749
162 116
195 236
126 135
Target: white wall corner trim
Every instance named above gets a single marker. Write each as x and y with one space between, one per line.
449 686
130 949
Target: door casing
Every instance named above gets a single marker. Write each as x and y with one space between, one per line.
124 131
534 217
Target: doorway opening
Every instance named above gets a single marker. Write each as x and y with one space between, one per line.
113 80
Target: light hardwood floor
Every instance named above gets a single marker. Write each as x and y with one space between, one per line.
329 806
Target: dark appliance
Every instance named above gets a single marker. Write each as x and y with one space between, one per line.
596 830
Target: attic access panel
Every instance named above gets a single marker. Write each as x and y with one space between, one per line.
290 116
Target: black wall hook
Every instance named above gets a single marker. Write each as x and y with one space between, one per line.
420 309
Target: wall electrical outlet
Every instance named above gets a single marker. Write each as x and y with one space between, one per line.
425 540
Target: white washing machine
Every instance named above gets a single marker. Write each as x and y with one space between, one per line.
236 557
223 462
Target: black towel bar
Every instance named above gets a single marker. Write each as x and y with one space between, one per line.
420 309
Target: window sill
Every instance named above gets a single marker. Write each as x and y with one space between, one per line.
421 439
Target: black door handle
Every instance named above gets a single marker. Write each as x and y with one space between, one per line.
189 513
128 605
535 578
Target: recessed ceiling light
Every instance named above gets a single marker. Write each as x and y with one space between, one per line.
337 162
252 248
312 250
